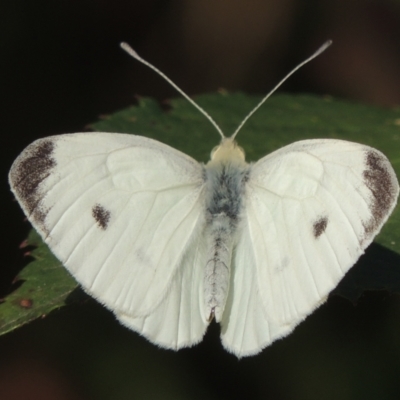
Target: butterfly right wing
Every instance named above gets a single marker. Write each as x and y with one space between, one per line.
119 211
311 208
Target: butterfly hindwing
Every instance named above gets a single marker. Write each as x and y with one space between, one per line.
245 326
180 319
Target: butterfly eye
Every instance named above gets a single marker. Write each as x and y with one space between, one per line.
241 151
213 152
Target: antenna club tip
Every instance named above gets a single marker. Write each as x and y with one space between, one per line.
125 46
319 51
325 45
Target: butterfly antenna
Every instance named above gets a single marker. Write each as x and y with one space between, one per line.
131 52
316 54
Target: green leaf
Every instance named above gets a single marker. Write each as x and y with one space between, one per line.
43 286
282 120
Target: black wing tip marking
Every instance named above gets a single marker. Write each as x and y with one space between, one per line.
319 226
382 183
28 172
101 216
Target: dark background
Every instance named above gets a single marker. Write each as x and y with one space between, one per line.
61 68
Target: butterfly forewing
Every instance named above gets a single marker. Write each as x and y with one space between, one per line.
118 210
311 209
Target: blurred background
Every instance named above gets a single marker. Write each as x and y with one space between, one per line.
61 68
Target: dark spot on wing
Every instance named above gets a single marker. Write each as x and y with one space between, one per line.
379 180
101 215
32 167
319 226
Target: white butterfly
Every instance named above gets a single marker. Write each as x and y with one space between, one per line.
168 244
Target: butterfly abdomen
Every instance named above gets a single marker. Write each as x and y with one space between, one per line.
223 209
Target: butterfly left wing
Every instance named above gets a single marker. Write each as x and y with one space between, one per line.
311 208
121 212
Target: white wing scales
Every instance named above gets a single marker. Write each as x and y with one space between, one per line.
119 211
179 320
127 215
311 209
246 327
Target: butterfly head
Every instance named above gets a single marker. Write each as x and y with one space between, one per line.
227 152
